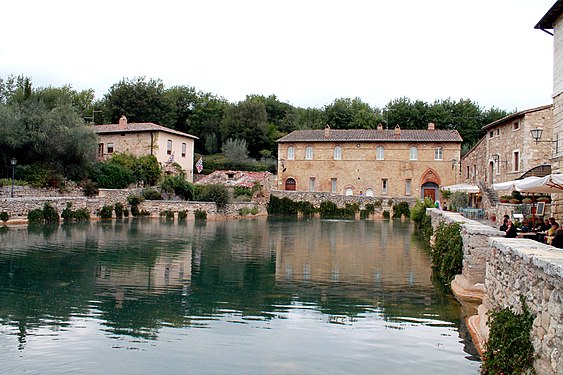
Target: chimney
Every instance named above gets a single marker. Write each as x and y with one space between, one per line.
122 121
380 126
431 126
327 131
397 131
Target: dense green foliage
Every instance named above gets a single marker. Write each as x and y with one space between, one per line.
386 215
169 215
509 349
106 212
4 216
459 200
217 193
47 215
182 215
135 200
89 188
329 210
151 194
70 215
46 125
118 209
401 209
447 253
421 219
368 210
177 185
200 215
287 207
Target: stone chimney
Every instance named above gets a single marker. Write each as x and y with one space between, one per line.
431 126
397 131
327 131
380 126
123 121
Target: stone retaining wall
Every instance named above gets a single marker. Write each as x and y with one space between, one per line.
522 267
499 270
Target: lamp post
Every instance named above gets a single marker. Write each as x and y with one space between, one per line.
14 161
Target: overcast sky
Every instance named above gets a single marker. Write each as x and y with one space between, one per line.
306 52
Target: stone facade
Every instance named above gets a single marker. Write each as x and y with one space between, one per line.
386 163
508 150
167 145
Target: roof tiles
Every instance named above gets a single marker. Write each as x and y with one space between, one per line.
372 135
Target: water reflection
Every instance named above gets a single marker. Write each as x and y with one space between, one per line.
138 278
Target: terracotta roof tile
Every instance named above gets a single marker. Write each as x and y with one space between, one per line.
372 135
136 127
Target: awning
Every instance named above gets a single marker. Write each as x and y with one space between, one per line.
513 185
552 183
466 188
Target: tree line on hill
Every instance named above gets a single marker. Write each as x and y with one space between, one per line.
46 128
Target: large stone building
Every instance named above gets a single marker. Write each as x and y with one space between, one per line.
382 163
508 150
553 20
169 146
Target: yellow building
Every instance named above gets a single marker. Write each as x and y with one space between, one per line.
393 163
169 146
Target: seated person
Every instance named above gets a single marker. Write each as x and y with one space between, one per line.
510 230
540 225
557 241
504 222
526 226
551 233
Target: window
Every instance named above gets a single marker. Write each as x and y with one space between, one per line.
516 159
311 183
379 153
100 150
491 134
183 150
474 171
290 153
413 153
467 172
169 147
309 153
333 185
384 186
516 125
337 153
369 192
498 131
110 148
408 184
438 153
349 191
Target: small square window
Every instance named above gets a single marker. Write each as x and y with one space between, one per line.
110 148
516 125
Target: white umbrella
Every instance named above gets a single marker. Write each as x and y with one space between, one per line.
511 185
552 183
466 188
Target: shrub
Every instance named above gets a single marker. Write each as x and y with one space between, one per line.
68 214
447 254
4 216
35 216
377 203
509 349
401 209
329 210
89 188
135 211
112 176
167 214
459 200
151 194
390 202
118 208
82 214
286 206
135 200
254 210
200 215
215 193
179 186
106 212
144 213
422 220
242 191
125 212
182 215
48 214
386 215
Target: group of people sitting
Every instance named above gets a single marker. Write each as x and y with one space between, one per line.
547 231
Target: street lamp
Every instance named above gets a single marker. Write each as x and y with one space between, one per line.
536 135
14 161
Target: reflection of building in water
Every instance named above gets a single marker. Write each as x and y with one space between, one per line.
332 256
131 281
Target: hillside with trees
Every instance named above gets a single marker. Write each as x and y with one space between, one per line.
47 128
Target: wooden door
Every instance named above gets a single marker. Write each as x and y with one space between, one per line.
429 193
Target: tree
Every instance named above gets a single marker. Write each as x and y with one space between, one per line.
247 121
235 150
140 101
346 113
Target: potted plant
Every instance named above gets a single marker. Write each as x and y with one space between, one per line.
514 201
527 200
505 198
543 199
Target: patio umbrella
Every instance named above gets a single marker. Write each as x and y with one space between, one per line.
466 188
511 185
552 183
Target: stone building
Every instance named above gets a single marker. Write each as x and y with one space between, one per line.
169 146
553 20
393 163
508 150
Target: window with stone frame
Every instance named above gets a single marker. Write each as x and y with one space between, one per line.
337 153
110 148
408 185
413 153
290 153
516 161
169 147
379 153
184 147
384 186
309 153
438 153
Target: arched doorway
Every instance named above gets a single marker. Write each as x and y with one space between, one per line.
369 192
349 191
290 184
430 184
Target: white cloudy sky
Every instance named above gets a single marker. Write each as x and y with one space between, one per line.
306 52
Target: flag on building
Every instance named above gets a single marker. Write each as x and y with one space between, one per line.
199 165
170 159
